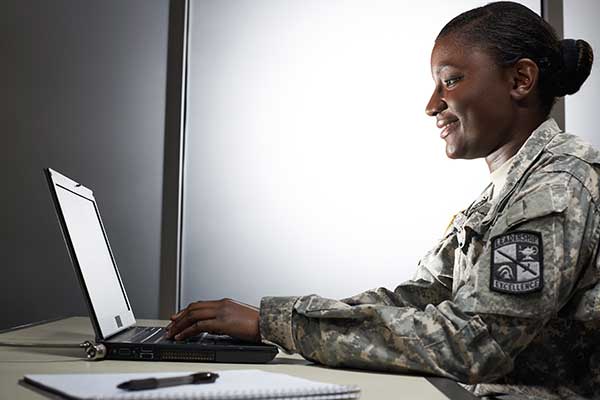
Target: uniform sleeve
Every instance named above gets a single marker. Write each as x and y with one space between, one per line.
431 284
474 336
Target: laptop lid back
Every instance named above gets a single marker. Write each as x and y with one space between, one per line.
91 255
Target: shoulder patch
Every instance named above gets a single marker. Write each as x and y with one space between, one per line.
517 263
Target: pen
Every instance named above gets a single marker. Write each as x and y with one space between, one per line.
155 383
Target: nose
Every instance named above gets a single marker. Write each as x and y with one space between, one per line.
436 104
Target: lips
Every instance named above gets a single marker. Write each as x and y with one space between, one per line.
447 126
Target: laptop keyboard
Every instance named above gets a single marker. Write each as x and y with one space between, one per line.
207 338
152 335
142 334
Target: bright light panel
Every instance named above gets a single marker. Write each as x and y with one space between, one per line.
581 22
311 166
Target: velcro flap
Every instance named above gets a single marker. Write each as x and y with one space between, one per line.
551 199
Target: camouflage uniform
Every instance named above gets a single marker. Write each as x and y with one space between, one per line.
508 302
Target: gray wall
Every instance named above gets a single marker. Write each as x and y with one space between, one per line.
82 90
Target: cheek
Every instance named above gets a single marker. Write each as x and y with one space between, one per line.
490 110
483 103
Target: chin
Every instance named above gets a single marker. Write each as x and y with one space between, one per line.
459 153
452 152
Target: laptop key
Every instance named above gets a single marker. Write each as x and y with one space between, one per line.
153 333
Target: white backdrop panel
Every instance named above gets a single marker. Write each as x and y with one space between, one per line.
581 22
311 166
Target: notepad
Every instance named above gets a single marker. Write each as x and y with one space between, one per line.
231 385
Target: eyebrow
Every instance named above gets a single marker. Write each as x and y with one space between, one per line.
442 67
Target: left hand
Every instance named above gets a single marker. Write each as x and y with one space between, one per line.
222 317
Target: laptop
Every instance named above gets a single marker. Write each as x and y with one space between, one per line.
108 305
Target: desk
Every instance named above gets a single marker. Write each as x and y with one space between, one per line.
17 361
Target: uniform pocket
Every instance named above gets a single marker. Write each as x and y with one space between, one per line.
551 199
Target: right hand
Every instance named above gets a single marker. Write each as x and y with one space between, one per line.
222 317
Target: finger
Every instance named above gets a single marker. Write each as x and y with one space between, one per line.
189 318
175 319
181 312
178 321
175 316
198 327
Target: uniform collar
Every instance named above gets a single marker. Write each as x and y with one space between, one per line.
525 157
499 176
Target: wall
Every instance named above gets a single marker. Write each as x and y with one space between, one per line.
310 163
82 90
581 22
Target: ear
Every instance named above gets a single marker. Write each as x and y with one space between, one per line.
524 77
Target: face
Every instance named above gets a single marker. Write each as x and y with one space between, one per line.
471 100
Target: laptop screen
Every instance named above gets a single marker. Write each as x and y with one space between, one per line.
93 255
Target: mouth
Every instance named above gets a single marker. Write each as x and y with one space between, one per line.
447 127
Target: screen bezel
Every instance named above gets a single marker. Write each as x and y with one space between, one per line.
127 318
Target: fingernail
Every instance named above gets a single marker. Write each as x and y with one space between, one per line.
177 337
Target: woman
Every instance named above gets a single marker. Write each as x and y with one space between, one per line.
509 299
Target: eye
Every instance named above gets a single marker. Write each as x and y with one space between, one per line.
452 81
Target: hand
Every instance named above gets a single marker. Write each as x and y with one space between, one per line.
223 317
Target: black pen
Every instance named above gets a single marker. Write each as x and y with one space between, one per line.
155 383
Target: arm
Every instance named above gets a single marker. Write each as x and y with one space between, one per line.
432 284
438 340
474 337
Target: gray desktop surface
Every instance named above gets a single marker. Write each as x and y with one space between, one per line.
18 361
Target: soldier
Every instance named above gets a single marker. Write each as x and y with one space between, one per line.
508 302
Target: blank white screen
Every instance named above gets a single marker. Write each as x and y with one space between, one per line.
94 258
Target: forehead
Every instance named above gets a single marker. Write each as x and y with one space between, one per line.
451 52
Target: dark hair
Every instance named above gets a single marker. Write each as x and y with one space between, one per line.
511 31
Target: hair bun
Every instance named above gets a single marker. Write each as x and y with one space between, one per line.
577 58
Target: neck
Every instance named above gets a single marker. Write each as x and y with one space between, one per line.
518 136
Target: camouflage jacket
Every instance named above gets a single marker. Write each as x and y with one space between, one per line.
507 302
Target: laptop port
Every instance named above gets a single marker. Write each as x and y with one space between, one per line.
124 352
146 356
